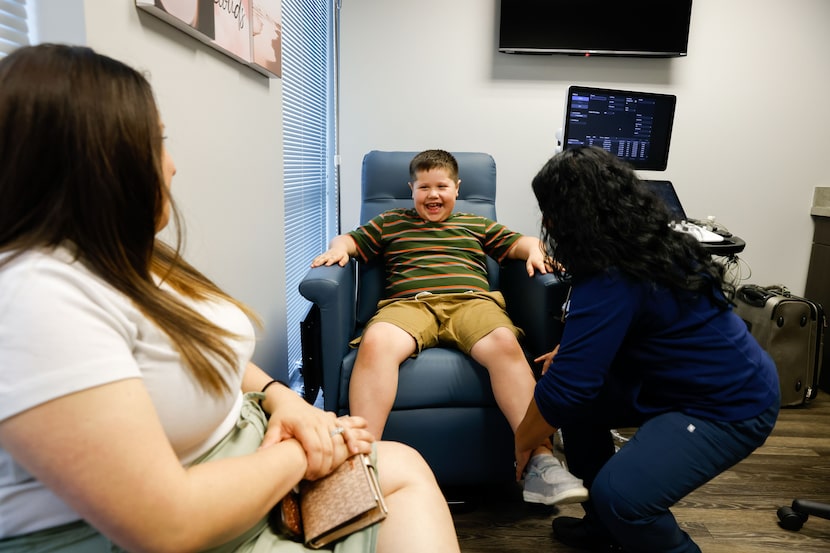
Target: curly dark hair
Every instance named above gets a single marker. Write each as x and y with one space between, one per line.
597 215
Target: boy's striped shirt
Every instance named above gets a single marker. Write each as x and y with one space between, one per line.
445 257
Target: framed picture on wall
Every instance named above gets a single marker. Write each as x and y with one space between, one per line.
266 30
248 31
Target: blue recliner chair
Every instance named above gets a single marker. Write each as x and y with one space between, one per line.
445 406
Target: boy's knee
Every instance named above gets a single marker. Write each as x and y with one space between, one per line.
500 344
382 332
501 338
386 340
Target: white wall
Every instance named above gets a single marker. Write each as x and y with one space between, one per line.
748 143
750 135
224 127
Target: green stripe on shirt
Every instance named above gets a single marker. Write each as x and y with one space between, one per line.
445 257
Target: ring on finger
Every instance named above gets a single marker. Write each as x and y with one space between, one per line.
337 430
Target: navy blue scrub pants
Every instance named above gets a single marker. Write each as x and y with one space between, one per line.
668 457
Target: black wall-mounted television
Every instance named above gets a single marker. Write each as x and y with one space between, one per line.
641 28
634 126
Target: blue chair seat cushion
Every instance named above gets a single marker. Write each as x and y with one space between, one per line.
437 377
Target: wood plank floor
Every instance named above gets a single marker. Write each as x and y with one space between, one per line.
734 513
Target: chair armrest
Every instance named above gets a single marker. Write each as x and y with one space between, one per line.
534 305
332 289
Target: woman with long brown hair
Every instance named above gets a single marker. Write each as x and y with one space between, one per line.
124 372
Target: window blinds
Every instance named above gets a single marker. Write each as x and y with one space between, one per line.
14 29
309 130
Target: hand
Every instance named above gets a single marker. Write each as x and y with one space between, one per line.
293 417
330 257
536 261
522 457
547 358
355 434
348 438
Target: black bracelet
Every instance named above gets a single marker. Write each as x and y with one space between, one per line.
262 391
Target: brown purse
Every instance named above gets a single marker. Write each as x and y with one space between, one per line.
347 500
285 517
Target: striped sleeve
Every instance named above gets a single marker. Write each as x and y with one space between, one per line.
369 238
498 239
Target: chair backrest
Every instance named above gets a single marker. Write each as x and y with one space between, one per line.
385 186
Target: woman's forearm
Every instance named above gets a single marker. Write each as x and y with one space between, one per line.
533 429
108 457
258 482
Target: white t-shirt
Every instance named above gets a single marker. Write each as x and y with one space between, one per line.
63 329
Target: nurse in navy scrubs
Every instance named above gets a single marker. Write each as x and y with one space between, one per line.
650 341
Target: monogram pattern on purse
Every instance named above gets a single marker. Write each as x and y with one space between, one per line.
343 502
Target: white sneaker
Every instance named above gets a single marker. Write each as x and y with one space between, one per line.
547 482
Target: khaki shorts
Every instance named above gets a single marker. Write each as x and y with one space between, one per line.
459 320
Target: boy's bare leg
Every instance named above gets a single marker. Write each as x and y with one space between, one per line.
510 376
374 381
546 480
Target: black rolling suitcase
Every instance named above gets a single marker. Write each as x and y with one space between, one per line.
791 329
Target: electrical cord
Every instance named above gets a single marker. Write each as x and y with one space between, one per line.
736 270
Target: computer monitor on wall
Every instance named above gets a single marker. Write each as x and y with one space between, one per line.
635 126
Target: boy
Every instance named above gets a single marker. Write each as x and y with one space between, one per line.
436 273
